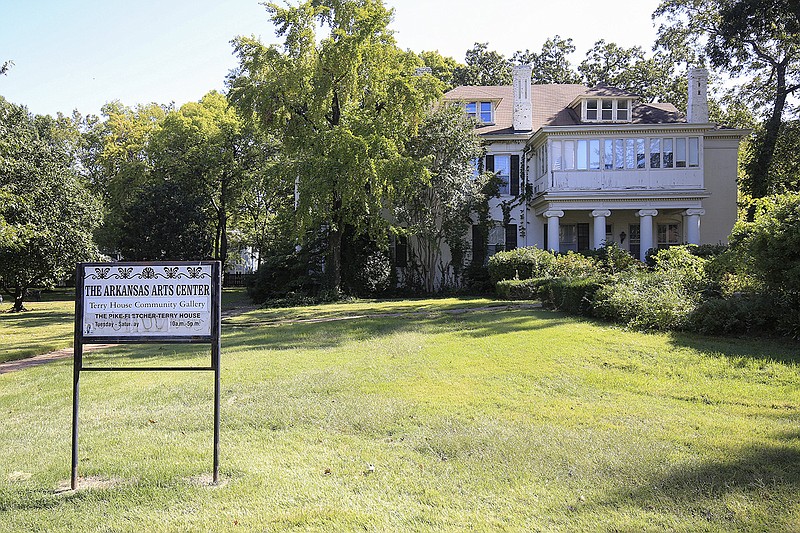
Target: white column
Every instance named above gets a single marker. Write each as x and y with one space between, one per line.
693 224
552 228
645 231
600 226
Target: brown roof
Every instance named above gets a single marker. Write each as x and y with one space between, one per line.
551 103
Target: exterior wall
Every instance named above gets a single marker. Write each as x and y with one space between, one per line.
721 171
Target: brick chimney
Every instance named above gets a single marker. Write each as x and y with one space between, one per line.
523 109
697 107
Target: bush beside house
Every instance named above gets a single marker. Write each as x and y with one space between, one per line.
750 287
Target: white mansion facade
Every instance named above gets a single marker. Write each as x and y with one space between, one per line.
600 166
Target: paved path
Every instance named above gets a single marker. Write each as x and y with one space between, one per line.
21 364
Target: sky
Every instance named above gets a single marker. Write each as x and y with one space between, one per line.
80 54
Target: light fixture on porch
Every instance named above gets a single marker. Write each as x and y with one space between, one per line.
622 236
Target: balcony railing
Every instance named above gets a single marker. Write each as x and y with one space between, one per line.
599 180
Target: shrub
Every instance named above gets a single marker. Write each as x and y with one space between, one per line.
571 295
679 260
612 259
770 245
521 263
519 289
734 315
574 265
647 300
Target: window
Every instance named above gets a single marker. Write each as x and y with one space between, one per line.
667 235
608 110
619 154
573 237
634 239
655 153
608 154
471 108
640 153
694 151
622 110
594 154
591 110
680 152
486 112
480 111
511 236
583 162
557 157
667 153
501 166
569 155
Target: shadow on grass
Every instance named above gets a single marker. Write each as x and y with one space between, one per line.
335 333
785 351
767 477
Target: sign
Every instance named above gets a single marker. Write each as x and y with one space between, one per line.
165 302
146 300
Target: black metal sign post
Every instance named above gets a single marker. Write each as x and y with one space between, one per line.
172 302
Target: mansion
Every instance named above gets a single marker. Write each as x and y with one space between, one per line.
581 166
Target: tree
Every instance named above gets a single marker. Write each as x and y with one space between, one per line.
166 220
654 78
206 148
114 160
438 212
442 67
4 68
342 107
758 38
552 64
47 215
483 67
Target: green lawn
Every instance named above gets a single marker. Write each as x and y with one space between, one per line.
500 419
46 326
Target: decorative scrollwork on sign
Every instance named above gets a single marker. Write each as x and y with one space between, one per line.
148 273
171 272
194 272
102 273
125 273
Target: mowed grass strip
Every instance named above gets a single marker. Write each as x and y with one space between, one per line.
518 420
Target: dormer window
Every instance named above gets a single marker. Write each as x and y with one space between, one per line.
480 111
607 110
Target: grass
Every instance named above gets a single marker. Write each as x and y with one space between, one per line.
501 419
46 326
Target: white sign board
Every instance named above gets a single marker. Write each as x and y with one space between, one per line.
147 300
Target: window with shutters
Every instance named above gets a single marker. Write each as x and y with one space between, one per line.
507 168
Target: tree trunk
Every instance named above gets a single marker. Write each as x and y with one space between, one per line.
19 297
759 169
334 259
222 227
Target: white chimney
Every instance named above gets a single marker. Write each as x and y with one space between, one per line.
523 110
697 107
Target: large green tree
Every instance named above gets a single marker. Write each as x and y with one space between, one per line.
756 38
343 104
207 149
47 215
114 159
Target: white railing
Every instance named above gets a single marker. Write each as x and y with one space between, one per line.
666 179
